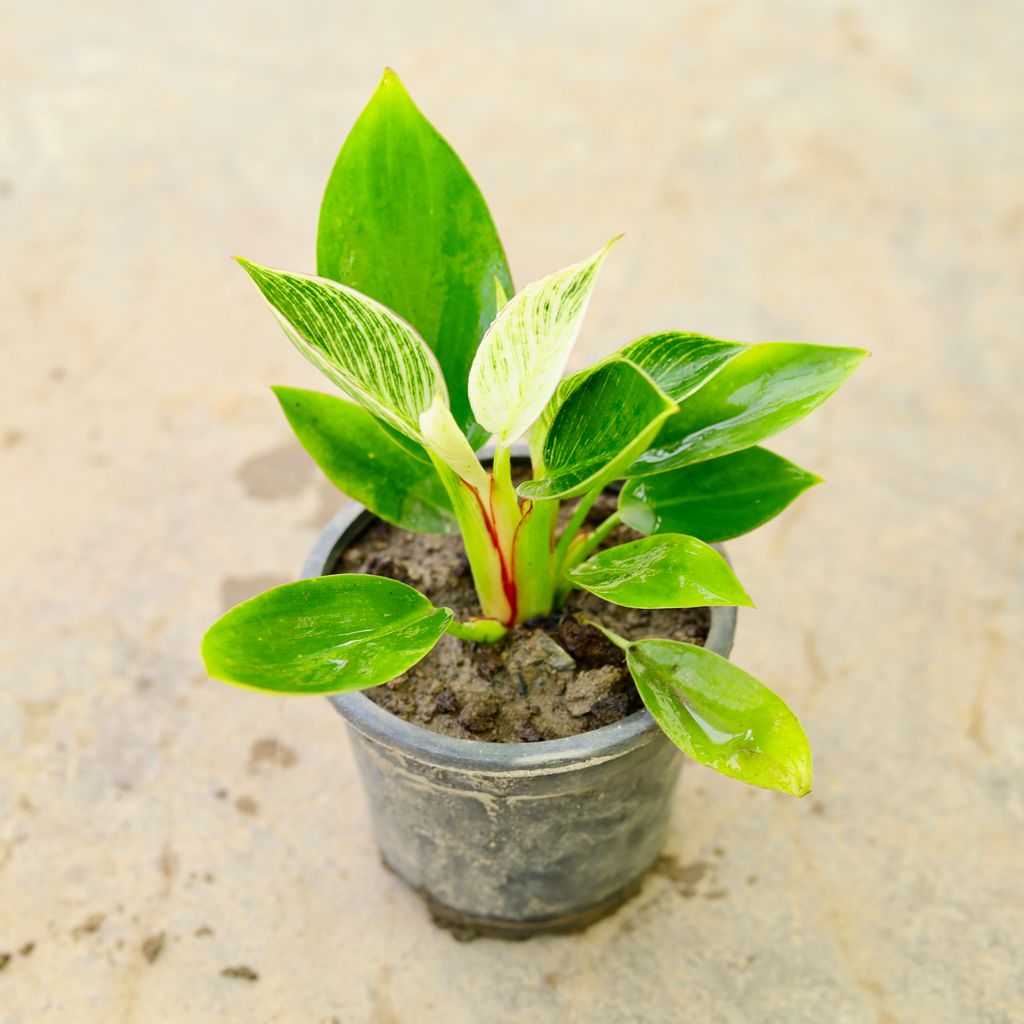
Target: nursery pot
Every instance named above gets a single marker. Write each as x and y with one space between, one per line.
512 839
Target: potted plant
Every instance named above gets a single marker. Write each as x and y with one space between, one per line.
519 743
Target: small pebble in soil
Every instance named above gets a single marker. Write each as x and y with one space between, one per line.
479 712
536 660
593 687
587 644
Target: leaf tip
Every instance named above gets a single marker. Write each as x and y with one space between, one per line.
254 270
391 83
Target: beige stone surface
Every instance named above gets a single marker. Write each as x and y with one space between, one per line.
803 170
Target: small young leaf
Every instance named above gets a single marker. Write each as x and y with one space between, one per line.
324 635
667 571
403 222
759 392
717 499
374 356
720 716
600 428
363 460
524 351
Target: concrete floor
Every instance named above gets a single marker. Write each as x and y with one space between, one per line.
173 850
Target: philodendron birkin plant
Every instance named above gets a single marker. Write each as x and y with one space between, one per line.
412 314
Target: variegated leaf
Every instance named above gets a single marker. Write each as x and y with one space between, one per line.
524 352
372 354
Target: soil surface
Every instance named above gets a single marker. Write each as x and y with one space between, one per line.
544 680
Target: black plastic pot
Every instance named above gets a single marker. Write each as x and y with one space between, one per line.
512 839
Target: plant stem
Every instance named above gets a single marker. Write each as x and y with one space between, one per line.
592 542
621 642
572 527
480 631
578 553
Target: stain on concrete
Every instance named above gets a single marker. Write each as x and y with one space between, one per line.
282 472
92 924
246 805
271 752
329 500
26 950
819 673
684 877
5 959
168 862
203 931
236 589
242 972
382 1010
11 439
153 946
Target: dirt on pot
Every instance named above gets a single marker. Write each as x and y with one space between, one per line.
546 679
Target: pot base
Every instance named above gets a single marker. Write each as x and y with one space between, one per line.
466 927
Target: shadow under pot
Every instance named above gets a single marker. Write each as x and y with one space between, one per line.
512 839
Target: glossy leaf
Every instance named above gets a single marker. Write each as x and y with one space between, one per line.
759 392
675 362
524 352
366 462
374 356
721 716
403 222
324 635
717 499
668 571
605 422
679 362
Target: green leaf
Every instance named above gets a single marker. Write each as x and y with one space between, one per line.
717 499
524 352
403 222
680 362
720 716
600 428
324 635
374 356
675 362
759 392
362 459
667 571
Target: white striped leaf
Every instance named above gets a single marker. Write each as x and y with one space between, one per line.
372 354
524 352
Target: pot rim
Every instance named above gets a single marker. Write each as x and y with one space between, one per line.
541 757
